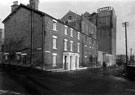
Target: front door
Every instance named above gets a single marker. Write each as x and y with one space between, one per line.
65 63
76 61
71 62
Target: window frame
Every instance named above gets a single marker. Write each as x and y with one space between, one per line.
65 44
54 63
54 25
66 30
78 47
78 35
54 42
71 45
71 32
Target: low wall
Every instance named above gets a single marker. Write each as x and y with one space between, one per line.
131 72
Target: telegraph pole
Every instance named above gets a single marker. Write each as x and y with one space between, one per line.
126 24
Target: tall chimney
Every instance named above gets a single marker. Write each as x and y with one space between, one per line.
34 4
14 6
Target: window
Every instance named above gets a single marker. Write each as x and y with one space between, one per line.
54 42
85 59
78 35
92 29
90 41
54 59
66 30
70 17
71 45
90 47
65 44
71 32
78 47
54 25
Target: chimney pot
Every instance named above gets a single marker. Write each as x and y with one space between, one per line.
34 4
15 3
14 6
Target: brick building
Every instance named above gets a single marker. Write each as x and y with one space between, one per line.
1 38
43 40
88 29
1 43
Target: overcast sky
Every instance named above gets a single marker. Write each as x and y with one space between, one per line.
125 11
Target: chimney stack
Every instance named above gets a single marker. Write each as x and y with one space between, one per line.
14 6
34 4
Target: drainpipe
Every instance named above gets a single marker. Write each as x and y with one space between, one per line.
31 40
43 40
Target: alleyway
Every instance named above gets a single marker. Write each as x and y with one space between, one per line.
82 82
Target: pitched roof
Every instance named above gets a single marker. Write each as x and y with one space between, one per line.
21 5
75 15
29 8
36 11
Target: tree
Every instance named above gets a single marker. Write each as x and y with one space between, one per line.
12 46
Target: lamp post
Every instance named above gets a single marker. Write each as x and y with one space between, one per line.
126 24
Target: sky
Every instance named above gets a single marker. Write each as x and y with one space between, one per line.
124 10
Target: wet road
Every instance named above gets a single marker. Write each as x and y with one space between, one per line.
82 82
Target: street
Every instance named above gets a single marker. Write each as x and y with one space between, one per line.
81 82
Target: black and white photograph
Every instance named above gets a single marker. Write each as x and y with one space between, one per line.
67 47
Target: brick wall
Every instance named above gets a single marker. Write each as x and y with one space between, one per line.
60 42
18 27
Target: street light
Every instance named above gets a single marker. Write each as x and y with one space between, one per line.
126 24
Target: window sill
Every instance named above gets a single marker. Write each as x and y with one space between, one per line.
54 48
65 49
54 65
54 30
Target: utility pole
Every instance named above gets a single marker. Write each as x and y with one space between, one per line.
126 24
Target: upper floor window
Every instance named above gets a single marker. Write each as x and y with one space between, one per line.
71 45
92 31
90 41
65 44
54 25
66 30
78 47
71 32
78 35
70 17
90 47
54 42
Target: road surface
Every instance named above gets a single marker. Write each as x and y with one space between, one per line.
81 82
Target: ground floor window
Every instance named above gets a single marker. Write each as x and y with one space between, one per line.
54 59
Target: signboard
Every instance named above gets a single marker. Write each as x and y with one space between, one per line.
104 9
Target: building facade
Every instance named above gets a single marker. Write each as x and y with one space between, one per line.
36 38
105 20
1 38
1 43
89 39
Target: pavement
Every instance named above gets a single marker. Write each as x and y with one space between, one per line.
91 81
